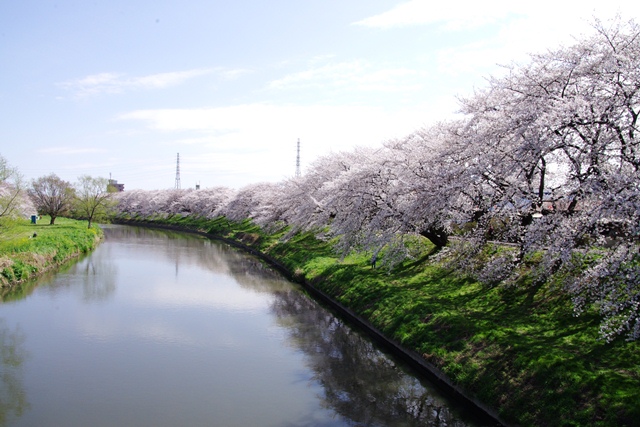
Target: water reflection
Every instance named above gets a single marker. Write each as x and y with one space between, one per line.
360 383
94 276
13 399
98 278
184 250
178 248
155 325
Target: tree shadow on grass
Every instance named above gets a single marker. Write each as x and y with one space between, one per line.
520 342
419 262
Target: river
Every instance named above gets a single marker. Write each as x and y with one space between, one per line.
158 328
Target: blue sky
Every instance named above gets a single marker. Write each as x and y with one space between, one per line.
120 87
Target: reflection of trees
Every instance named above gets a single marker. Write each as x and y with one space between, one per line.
185 249
20 290
360 383
13 399
95 273
182 248
24 289
98 278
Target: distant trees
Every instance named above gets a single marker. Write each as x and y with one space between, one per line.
201 203
263 202
52 196
363 202
93 199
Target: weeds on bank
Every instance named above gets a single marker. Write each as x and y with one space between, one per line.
27 249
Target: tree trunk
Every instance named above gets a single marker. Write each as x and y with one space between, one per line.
437 235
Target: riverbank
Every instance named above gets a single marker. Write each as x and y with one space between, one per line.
520 352
28 250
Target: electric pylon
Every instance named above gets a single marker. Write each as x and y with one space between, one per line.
178 172
298 160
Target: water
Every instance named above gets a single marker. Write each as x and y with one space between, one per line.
156 328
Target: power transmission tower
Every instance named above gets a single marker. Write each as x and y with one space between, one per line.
178 172
298 161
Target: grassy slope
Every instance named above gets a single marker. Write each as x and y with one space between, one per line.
23 256
519 350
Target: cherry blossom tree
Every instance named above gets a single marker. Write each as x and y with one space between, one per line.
201 203
132 203
12 200
252 202
557 139
303 200
204 203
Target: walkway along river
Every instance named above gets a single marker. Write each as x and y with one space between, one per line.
162 328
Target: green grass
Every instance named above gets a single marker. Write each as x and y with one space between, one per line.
26 250
519 349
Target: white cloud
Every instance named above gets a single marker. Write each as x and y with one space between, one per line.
113 83
151 329
70 150
222 297
267 119
256 142
516 30
470 14
232 74
455 15
337 73
163 80
352 75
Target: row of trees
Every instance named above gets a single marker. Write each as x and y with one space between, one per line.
545 159
89 198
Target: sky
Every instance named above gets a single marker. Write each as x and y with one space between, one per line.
117 89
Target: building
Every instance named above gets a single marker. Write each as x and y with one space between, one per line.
114 186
